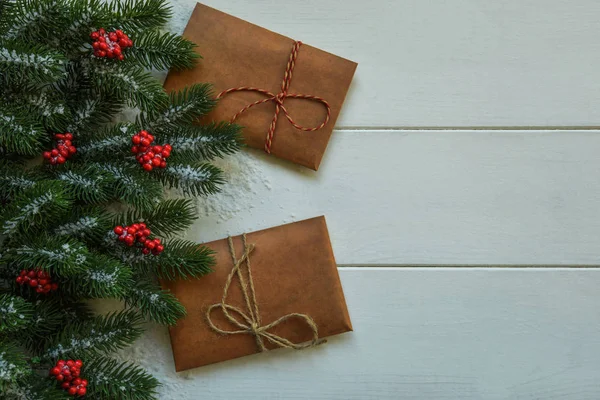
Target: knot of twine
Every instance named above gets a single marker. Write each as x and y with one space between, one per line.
279 98
250 323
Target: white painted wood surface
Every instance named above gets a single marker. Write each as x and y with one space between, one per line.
449 63
437 197
424 334
466 196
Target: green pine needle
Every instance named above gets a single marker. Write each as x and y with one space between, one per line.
180 259
23 63
162 51
13 365
85 183
113 380
192 179
113 141
166 218
154 303
139 15
87 224
15 313
19 133
183 108
103 334
60 256
34 207
203 142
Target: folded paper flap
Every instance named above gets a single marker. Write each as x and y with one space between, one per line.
294 272
237 53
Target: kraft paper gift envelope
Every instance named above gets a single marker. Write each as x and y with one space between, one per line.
253 61
294 281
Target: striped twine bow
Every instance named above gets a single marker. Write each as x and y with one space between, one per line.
278 99
251 323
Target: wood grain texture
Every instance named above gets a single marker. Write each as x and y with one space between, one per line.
424 334
434 197
454 63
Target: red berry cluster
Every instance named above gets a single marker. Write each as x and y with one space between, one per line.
67 372
38 279
110 44
64 149
149 156
140 234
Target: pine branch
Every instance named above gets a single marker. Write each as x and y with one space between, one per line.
139 15
53 111
154 303
183 108
180 259
34 388
113 380
19 133
133 185
203 142
48 319
15 313
192 179
131 83
114 141
33 19
102 334
85 183
34 207
60 256
163 51
86 224
104 277
166 218
21 63
92 110
13 365
82 17
14 180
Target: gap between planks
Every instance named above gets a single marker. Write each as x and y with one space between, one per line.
467 128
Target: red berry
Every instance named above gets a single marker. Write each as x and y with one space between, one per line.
54 286
60 377
47 155
123 42
142 239
157 149
117 51
147 167
146 142
33 283
72 391
156 161
94 35
160 248
112 36
42 282
101 53
118 230
166 153
55 371
78 363
163 164
64 153
68 136
61 159
84 382
70 363
72 149
65 385
121 58
54 152
150 244
147 232
168 147
145 251
129 240
136 139
103 46
47 287
101 31
81 391
131 230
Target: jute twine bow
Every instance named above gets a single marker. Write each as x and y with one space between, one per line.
278 99
251 323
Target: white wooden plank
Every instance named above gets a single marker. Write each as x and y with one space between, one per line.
458 63
428 197
423 334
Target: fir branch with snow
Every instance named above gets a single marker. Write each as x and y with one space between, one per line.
85 213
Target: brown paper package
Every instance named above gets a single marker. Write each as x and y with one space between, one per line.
237 53
294 271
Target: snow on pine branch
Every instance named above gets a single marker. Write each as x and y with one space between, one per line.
27 212
78 228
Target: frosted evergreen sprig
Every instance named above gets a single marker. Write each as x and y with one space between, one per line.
155 303
13 365
110 379
103 334
15 313
203 142
192 179
30 64
65 257
180 259
19 133
166 218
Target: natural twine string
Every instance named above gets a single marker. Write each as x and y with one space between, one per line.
252 324
278 99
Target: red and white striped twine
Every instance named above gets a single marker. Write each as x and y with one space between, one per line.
278 99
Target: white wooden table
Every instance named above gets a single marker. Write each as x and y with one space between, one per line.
462 192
